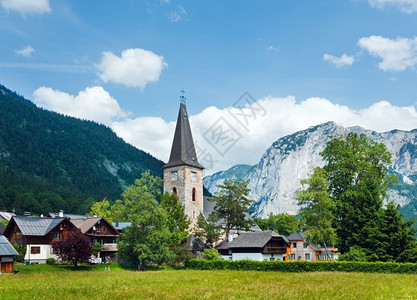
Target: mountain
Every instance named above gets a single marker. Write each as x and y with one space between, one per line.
276 178
49 161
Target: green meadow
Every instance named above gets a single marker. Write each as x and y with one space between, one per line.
86 282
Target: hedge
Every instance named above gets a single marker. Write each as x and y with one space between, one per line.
303 266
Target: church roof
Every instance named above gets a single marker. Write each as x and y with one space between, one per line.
183 150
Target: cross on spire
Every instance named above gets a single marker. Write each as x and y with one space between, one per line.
182 97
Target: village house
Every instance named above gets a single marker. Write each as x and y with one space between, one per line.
7 256
257 245
98 229
38 234
301 250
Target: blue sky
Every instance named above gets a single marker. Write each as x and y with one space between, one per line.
123 63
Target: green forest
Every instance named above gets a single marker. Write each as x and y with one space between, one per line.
49 161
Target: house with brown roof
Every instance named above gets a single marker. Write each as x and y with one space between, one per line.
98 229
38 234
257 245
7 256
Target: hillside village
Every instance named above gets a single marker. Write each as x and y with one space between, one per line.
183 177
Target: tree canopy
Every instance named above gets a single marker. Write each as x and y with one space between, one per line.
232 205
76 247
347 196
284 223
158 230
316 210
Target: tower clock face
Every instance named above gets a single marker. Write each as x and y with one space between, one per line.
174 175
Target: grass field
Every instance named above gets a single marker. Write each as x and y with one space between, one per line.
62 282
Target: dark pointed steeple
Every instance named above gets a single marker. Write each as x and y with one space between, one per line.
183 150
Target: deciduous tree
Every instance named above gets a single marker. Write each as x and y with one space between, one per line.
317 210
358 183
76 247
176 219
284 223
102 209
148 238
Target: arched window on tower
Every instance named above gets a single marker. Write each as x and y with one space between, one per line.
193 195
174 190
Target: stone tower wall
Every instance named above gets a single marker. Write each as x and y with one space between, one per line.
184 184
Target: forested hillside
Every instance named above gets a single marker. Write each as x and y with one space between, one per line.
49 161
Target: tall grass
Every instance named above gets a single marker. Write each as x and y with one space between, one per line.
192 284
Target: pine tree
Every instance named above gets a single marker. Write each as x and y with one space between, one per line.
232 205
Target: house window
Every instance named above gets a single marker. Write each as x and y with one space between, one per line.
53 251
56 236
293 256
307 256
193 176
35 250
193 195
304 245
174 175
294 245
174 190
194 214
272 258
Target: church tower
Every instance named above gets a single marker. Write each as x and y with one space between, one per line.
183 175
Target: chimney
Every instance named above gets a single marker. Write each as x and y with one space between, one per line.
95 215
61 213
230 238
41 215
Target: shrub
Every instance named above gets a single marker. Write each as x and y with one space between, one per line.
50 261
21 249
211 254
303 266
355 253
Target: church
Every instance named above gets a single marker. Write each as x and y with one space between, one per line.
183 174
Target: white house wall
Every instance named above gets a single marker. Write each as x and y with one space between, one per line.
253 256
45 253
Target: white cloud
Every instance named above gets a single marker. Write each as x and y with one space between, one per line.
271 48
26 52
151 134
407 6
344 60
93 103
396 55
135 67
283 116
270 119
177 14
27 6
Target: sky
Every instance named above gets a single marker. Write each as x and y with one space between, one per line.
250 71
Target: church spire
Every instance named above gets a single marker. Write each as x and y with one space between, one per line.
183 150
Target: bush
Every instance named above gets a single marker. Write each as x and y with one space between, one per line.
303 266
211 254
21 249
50 261
355 253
